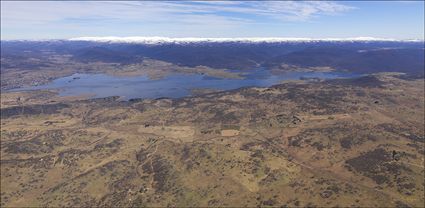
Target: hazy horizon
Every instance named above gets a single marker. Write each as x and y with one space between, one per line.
214 39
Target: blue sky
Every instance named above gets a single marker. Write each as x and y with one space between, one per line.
315 19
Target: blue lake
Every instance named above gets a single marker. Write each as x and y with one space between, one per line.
173 86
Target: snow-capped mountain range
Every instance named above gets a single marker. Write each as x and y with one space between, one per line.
160 40
359 55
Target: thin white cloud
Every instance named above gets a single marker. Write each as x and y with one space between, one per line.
283 10
206 18
36 12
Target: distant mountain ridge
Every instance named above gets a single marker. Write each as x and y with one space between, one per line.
362 55
159 40
164 40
